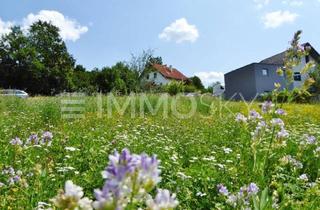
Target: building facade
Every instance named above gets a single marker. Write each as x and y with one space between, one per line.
163 74
250 81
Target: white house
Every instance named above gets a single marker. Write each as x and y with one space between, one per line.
218 89
163 74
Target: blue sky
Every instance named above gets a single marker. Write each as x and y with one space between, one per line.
206 38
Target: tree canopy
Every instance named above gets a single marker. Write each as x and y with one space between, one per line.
37 60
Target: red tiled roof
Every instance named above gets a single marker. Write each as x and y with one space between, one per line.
171 74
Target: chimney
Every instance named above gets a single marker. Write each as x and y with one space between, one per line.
170 68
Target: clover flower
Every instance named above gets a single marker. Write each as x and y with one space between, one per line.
72 149
16 141
162 201
311 140
303 177
2 184
72 198
42 206
227 150
241 118
267 106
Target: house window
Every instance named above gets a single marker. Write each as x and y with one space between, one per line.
155 75
307 59
265 72
297 76
147 76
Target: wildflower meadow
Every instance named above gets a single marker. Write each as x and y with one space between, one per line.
226 155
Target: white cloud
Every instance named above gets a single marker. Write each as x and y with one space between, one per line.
294 3
208 78
261 3
278 18
5 27
180 31
69 29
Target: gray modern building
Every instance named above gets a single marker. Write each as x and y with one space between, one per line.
254 79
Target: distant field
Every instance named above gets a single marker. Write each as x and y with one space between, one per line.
207 148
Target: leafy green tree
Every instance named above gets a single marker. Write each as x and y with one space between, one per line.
53 63
196 82
16 56
83 80
37 61
118 78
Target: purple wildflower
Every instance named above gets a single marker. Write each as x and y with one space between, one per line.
252 189
311 140
127 175
163 200
254 115
267 106
47 138
259 129
72 198
283 133
277 122
223 190
291 160
16 178
241 118
9 171
149 175
303 177
12 175
33 139
242 191
232 200
280 112
120 165
16 141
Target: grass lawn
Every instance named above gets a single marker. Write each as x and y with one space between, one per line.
197 153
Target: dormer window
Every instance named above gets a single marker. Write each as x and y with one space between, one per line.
307 59
265 72
297 76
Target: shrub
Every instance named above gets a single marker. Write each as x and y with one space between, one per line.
190 89
285 96
174 87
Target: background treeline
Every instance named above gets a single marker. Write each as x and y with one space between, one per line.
37 60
